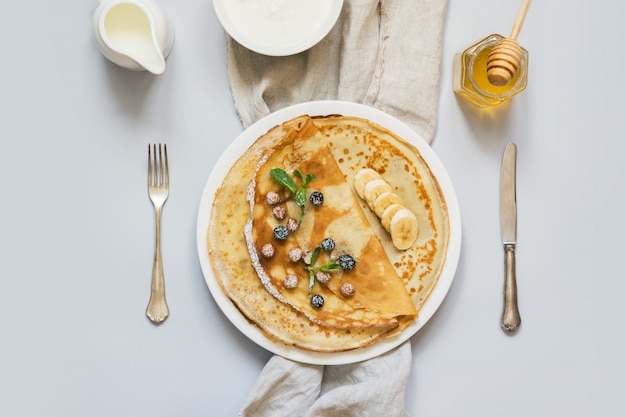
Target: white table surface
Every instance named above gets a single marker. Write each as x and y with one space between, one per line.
76 224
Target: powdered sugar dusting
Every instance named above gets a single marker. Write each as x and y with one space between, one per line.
254 255
247 231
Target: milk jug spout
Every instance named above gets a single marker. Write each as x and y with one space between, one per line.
134 34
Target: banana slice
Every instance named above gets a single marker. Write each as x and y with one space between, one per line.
388 214
373 189
385 200
363 177
403 228
397 220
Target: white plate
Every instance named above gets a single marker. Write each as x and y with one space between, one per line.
267 27
321 108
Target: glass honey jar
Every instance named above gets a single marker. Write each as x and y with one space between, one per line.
470 75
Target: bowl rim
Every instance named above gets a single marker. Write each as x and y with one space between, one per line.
278 50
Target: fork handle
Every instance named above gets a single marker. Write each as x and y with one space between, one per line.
157 310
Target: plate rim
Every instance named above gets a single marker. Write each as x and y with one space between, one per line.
284 50
321 108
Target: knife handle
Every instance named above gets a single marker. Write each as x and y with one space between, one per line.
511 319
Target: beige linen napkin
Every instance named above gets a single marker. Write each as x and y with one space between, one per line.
373 388
385 54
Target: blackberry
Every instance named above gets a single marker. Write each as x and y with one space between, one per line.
281 232
346 262
328 244
317 301
316 198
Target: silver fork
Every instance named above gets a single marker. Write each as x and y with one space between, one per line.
158 190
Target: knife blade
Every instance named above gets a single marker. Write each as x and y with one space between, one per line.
511 319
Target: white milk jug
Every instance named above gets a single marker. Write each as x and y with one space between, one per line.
134 34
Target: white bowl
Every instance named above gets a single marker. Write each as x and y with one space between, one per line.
278 27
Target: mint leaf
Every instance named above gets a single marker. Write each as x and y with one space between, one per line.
311 281
281 176
309 178
305 179
300 198
283 179
327 267
314 256
324 268
345 264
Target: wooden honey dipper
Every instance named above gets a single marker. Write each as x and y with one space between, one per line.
505 57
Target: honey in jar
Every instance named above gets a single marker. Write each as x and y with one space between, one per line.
470 75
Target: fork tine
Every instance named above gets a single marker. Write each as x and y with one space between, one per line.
149 166
160 170
167 169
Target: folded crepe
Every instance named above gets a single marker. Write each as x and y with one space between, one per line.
390 285
380 298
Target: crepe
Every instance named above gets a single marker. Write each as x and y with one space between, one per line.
380 299
353 143
357 143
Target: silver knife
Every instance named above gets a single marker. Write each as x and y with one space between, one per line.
511 320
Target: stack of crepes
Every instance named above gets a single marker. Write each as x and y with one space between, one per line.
390 285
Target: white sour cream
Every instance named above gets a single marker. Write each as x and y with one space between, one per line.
278 22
